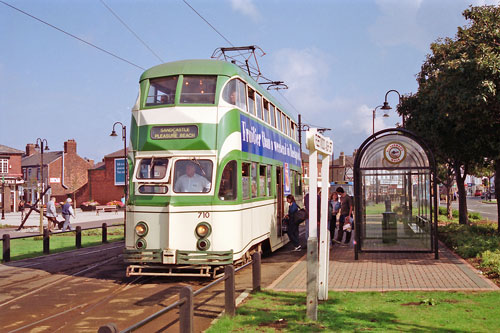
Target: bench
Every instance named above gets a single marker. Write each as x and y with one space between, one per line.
106 208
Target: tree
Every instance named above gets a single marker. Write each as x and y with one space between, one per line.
457 107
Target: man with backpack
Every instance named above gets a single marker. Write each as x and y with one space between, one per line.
346 207
67 212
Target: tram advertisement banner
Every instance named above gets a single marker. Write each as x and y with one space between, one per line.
286 174
119 171
261 140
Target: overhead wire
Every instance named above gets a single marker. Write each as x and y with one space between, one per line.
206 21
132 31
71 35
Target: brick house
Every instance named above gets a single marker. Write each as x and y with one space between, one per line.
11 177
101 185
65 172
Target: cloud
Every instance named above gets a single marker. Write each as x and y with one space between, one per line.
417 23
307 72
247 8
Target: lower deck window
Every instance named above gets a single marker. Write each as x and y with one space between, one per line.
192 176
227 188
153 189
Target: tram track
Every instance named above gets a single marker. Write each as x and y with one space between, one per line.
82 308
99 293
46 276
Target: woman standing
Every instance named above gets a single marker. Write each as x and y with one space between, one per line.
333 210
293 226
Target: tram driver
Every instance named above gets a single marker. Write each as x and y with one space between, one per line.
191 181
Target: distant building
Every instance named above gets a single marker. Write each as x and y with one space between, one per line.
11 177
65 172
106 179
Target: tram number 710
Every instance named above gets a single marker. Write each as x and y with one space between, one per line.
203 215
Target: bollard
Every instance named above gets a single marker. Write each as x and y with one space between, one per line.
6 248
229 291
186 310
104 233
46 241
256 273
109 328
78 239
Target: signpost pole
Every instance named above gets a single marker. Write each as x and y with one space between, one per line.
317 270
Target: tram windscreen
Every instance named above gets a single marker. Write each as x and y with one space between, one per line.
162 91
193 176
198 89
152 168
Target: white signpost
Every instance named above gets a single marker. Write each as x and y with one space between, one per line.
317 270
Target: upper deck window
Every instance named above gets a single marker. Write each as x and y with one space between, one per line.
162 91
258 106
198 89
251 101
235 93
273 115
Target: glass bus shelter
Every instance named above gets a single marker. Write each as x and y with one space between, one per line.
395 194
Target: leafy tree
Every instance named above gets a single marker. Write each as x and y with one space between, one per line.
457 106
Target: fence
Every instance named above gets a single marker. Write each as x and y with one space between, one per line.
186 295
46 239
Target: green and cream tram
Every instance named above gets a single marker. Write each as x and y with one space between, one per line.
213 157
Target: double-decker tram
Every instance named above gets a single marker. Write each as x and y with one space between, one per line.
212 158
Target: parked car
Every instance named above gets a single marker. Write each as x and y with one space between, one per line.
478 193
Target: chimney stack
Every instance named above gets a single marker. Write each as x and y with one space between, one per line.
342 159
30 149
70 147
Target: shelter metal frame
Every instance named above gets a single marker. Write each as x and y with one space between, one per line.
423 167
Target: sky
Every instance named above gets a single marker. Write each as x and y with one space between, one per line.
338 58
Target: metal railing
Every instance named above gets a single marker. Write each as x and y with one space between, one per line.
186 295
46 239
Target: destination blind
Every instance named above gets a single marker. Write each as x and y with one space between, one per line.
174 132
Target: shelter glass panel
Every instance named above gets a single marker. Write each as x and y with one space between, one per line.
394 179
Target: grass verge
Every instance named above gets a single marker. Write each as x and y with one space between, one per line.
22 248
269 311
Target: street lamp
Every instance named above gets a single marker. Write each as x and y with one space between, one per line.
3 197
124 138
373 122
43 146
386 105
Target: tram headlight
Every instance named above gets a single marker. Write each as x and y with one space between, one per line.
141 244
203 229
203 244
141 229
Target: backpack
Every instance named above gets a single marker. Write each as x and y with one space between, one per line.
65 209
300 215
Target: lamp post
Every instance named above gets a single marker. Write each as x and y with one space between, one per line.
373 120
3 197
43 146
124 138
386 105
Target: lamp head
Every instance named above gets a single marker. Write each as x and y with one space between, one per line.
36 145
46 148
386 106
113 133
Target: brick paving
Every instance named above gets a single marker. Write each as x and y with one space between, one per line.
389 272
